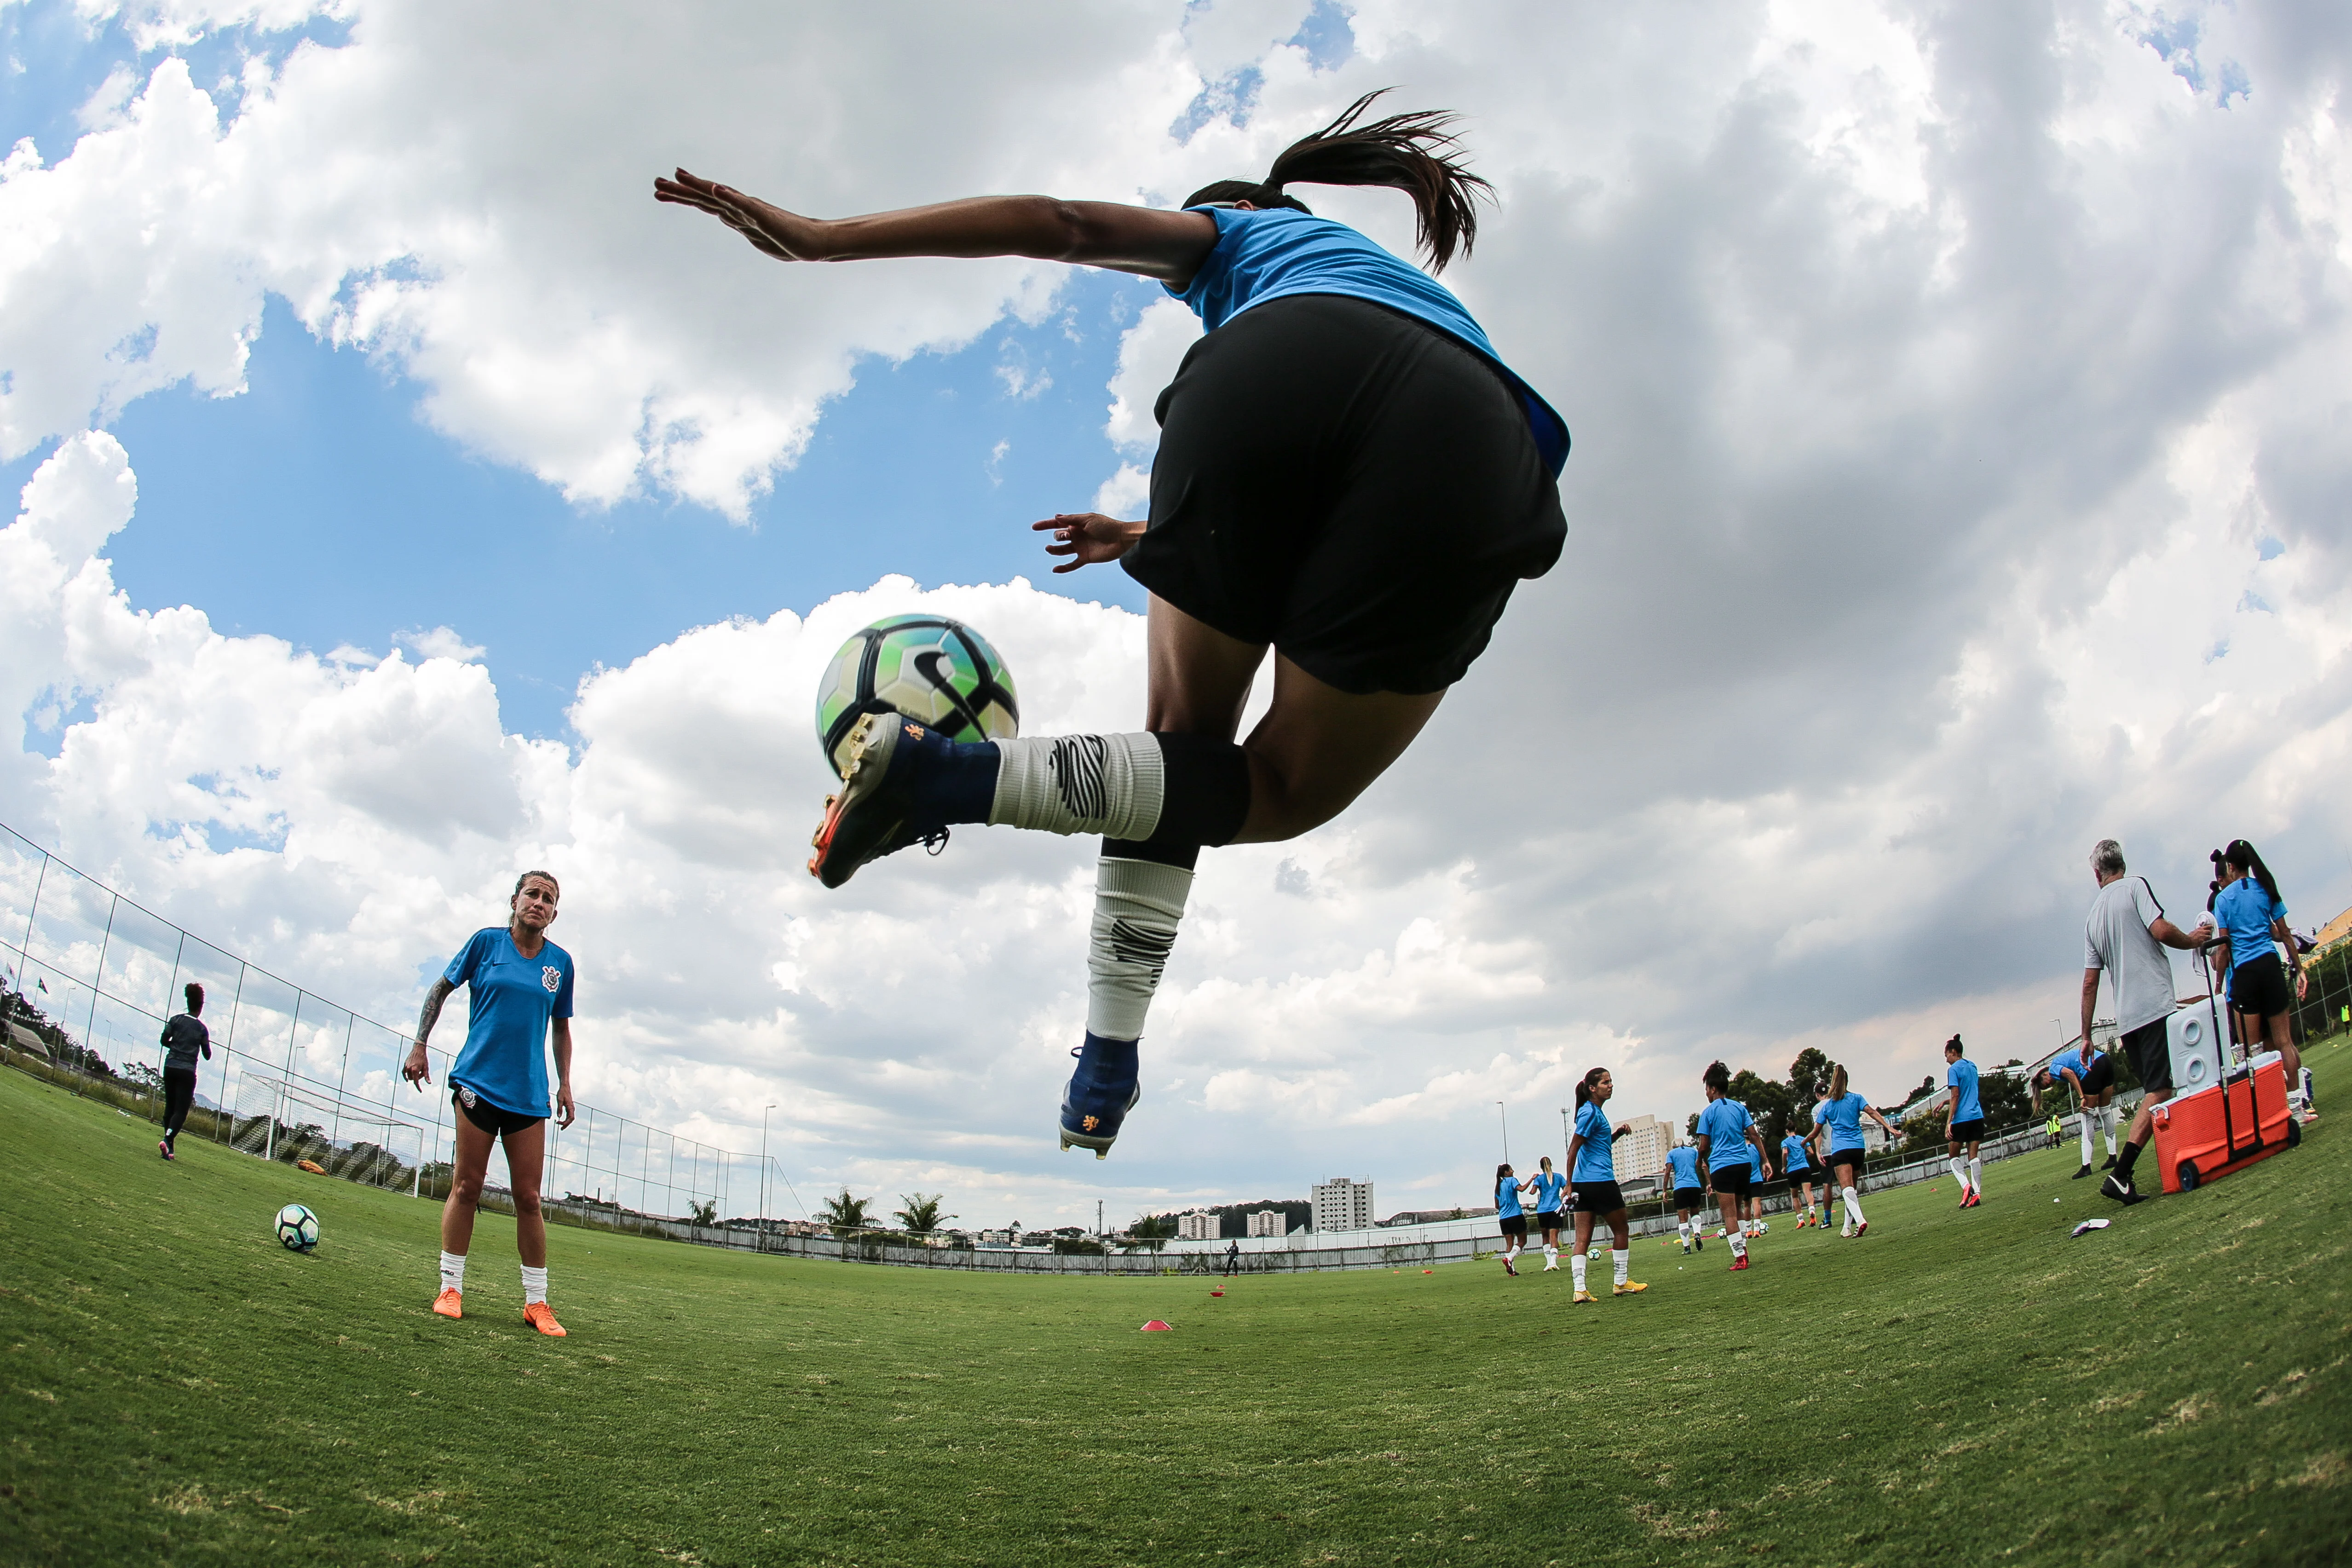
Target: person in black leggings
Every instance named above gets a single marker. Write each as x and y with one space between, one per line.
184 1036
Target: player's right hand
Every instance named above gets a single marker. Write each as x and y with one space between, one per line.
417 1070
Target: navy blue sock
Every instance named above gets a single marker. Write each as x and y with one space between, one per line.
962 787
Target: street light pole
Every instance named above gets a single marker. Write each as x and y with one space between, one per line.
1566 1136
763 1176
1506 1131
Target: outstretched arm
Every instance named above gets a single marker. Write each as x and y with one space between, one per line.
1152 242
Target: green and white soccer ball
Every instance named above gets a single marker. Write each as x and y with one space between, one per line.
934 670
298 1228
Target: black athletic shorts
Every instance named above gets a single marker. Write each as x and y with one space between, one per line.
1853 1157
1798 1177
2151 1057
1599 1197
1969 1131
496 1120
1729 1181
1514 1225
1350 484
1690 1198
2258 985
1550 1219
2100 1077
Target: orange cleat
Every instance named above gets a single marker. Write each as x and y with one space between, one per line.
542 1316
450 1303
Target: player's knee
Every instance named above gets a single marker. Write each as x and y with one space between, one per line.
467 1190
526 1204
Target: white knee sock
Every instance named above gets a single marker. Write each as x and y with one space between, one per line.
1621 1265
1576 1269
1110 784
1960 1169
1683 1230
1739 1243
2107 1124
1551 1255
1976 1174
1137 904
1853 1205
2087 1117
534 1285
453 1271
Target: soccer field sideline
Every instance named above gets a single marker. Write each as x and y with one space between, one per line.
1951 1388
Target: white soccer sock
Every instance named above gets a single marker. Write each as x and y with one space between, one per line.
453 1271
2107 1122
2086 1118
1621 1264
1960 1169
1510 1252
1683 1229
1576 1269
1975 1172
1110 784
1738 1244
1137 904
534 1285
1853 1205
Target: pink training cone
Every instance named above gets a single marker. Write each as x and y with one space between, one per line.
1156 1327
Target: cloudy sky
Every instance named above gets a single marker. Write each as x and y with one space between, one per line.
1963 472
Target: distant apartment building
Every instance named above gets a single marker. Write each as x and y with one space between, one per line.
1199 1226
1641 1153
1269 1222
1344 1202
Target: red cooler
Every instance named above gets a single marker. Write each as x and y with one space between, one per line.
2226 1127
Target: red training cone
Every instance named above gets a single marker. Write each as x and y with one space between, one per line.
1156 1327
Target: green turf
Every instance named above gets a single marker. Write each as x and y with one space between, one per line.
1953 1388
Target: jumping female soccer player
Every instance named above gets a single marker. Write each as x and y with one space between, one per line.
1514 1219
1838 1124
2091 1075
1964 1122
1682 1178
2251 915
1592 1186
1348 473
183 1036
1726 1134
519 992
1551 1189
1798 1166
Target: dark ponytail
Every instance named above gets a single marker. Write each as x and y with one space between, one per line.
1412 152
1584 1086
2241 855
1717 1078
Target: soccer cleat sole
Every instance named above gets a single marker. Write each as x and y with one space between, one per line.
1860 1229
871 741
1099 1142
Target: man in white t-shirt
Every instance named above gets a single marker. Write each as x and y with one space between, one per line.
2124 938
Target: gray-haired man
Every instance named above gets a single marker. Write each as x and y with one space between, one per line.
2124 938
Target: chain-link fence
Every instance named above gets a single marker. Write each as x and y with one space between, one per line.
88 978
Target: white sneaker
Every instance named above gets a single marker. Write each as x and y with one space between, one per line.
1846 1230
1551 1268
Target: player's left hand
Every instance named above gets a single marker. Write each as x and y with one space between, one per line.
786 236
563 1111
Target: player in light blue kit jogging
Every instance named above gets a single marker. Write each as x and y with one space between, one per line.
1798 1166
519 986
1726 1134
1513 1217
1683 1179
1964 1122
1592 1186
1837 1126
1551 1194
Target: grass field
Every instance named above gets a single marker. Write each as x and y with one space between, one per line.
1953 1388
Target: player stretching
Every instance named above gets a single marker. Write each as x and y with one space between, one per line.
1514 1219
1592 1186
1348 473
1964 1122
1551 1190
1726 1134
1682 1178
1838 1124
2091 1075
519 992
1798 1166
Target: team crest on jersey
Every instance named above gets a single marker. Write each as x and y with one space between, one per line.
550 977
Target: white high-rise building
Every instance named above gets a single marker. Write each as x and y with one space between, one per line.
1640 1155
1198 1226
1344 1202
1269 1222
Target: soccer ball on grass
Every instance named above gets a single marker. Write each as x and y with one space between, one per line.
298 1228
934 670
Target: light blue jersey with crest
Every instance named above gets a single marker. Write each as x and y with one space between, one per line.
509 999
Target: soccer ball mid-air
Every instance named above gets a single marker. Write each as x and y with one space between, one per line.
298 1228
935 671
